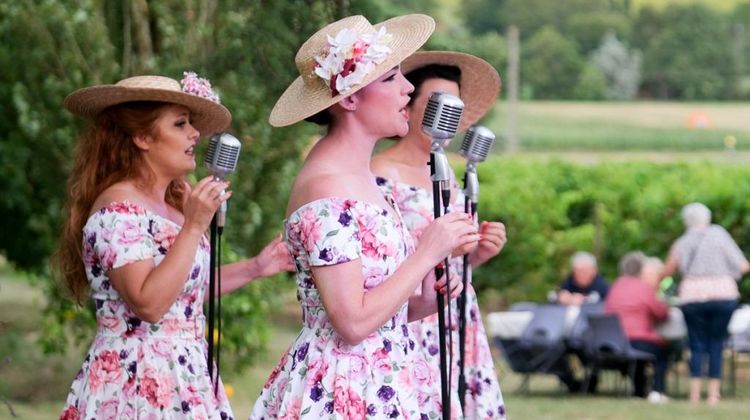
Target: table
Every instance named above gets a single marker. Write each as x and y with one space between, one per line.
510 324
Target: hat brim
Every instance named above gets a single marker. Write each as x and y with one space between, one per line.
480 82
300 100
207 117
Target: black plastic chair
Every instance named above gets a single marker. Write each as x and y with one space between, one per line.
575 338
541 345
607 347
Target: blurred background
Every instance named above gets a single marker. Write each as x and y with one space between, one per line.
613 115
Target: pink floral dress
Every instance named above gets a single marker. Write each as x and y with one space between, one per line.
321 376
484 400
135 369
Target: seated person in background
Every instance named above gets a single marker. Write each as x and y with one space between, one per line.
633 298
585 284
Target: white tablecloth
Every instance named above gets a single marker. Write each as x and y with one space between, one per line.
510 324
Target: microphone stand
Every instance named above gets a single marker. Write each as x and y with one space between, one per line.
471 184
214 296
212 301
439 271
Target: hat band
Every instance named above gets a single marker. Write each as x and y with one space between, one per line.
349 57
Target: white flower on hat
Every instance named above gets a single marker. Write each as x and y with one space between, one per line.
350 57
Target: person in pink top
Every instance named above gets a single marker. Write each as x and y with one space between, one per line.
633 298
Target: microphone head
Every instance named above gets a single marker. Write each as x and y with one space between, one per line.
477 143
442 115
222 154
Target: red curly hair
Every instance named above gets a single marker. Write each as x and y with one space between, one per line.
106 154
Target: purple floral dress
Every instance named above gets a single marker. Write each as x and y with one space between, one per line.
484 400
321 376
135 369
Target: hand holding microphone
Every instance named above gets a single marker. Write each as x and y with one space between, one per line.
221 160
202 201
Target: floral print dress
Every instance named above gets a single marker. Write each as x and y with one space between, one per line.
484 400
134 369
323 377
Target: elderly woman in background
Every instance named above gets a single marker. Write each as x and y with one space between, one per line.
633 298
710 263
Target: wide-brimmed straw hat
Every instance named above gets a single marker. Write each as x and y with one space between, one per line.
480 83
207 114
353 51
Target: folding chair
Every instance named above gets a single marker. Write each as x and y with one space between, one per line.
540 346
607 347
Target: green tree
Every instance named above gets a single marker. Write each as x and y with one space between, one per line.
592 85
690 58
550 64
588 29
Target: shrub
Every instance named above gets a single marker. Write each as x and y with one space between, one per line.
552 209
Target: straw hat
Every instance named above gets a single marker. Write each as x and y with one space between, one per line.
480 83
208 115
310 93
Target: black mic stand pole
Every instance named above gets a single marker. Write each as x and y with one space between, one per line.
470 207
212 300
439 271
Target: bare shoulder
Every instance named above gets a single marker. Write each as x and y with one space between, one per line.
314 186
118 192
352 185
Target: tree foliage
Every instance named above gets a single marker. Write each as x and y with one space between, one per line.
550 64
690 57
689 51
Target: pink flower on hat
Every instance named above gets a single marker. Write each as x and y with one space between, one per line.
349 57
198 86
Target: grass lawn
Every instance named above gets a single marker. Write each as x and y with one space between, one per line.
46 388
605 126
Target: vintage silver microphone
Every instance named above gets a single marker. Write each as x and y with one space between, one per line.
442 117
475 148
221 160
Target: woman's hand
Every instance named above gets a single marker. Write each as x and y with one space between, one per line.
425 304
446 233
201 202
452 288
274 258
493 239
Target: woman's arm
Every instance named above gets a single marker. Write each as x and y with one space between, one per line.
355 314
149 289
670 266
273 259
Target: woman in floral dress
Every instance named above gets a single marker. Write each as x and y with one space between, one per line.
135 237
403 174
357 272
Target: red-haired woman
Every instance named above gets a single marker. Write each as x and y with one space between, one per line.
134 239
